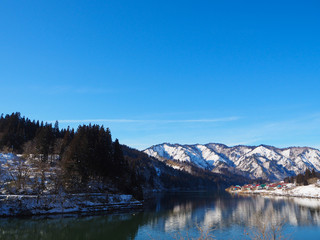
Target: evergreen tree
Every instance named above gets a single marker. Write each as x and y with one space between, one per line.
307 174
44 142
300 178
56 129
119 162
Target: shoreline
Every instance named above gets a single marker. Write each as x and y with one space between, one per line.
82 203
308 191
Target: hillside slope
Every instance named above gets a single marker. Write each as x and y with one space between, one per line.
255 162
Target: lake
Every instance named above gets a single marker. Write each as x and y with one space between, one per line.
180 216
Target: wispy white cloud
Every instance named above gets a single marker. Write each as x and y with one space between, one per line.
154 121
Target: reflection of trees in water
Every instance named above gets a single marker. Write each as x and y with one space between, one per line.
115 226
94 227
170 213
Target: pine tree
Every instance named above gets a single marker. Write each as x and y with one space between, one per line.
300 178
44 142
56 129
119 162
307 174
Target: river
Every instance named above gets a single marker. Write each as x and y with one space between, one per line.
180 216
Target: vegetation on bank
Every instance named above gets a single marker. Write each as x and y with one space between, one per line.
303 185
309 177
83 159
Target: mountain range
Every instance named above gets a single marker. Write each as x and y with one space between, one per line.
254 162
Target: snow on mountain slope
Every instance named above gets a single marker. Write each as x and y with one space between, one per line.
178 153
255 162
212 157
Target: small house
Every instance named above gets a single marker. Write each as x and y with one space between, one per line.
248 187
236 188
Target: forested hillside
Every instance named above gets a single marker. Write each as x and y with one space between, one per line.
88 160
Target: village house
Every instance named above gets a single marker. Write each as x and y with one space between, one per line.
237 188
247 187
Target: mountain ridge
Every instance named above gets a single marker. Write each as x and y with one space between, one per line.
232 146
256 162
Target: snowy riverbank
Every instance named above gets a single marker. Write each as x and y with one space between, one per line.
26 205
309 191
30 187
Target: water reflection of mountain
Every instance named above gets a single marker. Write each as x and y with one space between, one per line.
222 212
168 214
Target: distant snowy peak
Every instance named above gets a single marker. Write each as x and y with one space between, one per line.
178 153
251 161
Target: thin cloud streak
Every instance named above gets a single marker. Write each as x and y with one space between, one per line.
227 119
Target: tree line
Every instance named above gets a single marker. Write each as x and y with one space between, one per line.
303 178
87 156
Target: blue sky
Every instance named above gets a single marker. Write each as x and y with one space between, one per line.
235 72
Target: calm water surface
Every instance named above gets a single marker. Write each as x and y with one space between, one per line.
176 215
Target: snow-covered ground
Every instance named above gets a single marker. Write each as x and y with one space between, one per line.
19 205
24 176
21 181
255 162
309 191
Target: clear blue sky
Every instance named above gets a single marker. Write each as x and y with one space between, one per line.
235 72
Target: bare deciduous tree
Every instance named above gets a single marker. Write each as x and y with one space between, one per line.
20 174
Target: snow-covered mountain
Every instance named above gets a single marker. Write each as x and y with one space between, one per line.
255 162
